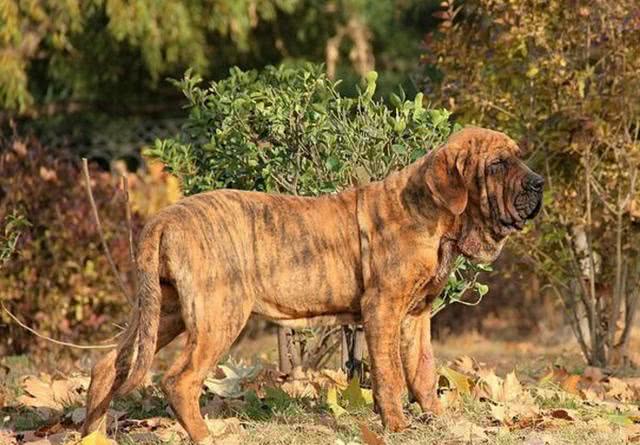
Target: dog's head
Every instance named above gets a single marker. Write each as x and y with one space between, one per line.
478 176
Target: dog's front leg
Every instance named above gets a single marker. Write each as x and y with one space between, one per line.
418 360
382 324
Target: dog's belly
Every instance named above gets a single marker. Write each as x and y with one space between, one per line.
316 321
296 259
323 290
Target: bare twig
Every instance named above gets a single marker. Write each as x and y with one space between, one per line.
631 305
593 323
617 287
125 188
321 347
322 360
87 178
574 321
53 340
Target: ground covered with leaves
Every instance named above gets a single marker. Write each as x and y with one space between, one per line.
510 393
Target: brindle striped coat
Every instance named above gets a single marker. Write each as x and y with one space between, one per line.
378 254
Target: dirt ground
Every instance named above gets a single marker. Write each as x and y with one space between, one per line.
534 390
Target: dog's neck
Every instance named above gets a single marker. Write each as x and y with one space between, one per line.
405 195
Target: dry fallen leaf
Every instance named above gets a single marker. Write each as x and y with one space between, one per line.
468 432
632 433
511 388
557 374
336 377
564 414
7 437
300 389
448 397
220 427
49 396
456 380
43 441
48 174
466 365
488 386
570 384
225 431
510 401
20 148
499 413
214 407
49 429
235 375
96 438
617 389
593 374
589 395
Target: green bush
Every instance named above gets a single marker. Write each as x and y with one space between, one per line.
288 130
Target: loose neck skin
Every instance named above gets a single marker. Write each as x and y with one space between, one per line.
400 208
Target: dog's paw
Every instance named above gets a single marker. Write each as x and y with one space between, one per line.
396 424
431 406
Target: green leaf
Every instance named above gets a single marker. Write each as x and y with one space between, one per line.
482 289
371 78
332 402
353 396
619 419
333 164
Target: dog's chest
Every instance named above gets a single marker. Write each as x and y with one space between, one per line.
428 288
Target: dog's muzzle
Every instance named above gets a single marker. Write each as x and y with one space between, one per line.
529 200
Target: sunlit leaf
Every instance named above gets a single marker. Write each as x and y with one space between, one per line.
353 396
96 438
459 381
332 402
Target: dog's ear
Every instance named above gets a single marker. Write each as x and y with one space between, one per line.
445 180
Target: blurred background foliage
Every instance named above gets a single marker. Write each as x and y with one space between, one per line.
90 75
61 54
89 78
54 273
562 77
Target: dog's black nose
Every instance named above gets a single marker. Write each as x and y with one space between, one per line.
535 183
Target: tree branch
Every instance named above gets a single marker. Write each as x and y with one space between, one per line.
125 188
105 247
53 340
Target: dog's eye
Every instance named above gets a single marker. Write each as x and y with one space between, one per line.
497 166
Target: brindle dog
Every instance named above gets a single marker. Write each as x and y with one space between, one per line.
377 255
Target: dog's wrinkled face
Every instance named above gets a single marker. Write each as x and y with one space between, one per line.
478 176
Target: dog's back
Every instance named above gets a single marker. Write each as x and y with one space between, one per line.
294 257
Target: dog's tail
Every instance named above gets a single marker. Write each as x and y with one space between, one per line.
138 345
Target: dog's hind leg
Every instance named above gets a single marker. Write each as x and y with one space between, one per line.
101 389
211 329
100 393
